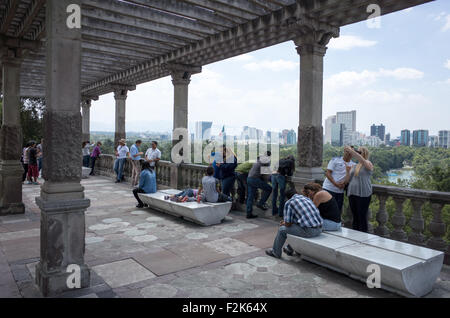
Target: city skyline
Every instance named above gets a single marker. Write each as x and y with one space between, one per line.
377 72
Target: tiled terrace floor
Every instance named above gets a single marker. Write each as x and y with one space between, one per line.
144 253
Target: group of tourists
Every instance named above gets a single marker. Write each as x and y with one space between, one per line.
88 157
31 159
319 209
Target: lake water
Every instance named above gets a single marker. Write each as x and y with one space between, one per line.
403 174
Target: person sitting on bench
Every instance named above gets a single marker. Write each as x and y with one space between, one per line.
301 218
147 183
209 188
327 205
187 195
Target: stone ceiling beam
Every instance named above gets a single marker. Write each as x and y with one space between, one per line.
186 9
230 12
243 5
125 38
10 12
154 16
139 23
32 12
133 31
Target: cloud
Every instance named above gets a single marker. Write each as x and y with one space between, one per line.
366 77
347 42
447 64
274 65
446 26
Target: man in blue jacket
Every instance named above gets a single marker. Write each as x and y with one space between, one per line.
227 170
147 183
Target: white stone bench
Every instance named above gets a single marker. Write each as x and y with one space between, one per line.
203 213
85 172
405 269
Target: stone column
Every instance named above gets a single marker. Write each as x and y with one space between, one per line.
181 77
311 41
86 119
120 95
11 170
62 201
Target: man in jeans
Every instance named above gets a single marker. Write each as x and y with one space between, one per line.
278 179
122 152
301 218
254 182
337 177
136 162
94 155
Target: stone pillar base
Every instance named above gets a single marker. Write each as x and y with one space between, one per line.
11 172
62 245
56 282
304 175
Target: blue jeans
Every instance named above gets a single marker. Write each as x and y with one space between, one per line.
40 164
227 185
329 225
296 230
86 161
252 185
185 193
278 180
118 168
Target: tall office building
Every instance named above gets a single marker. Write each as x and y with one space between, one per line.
337 134
291 137
328 123
420 138
378 131
203 130
433 141
444 139
405 139
348 119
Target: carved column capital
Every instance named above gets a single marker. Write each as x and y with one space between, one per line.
121 90
181 73
312 36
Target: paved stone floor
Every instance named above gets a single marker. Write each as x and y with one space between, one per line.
144 253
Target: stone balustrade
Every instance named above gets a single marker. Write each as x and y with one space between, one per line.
415 229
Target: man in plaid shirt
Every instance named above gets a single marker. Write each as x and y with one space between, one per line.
301 218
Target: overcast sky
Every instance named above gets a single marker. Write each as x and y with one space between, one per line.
398 75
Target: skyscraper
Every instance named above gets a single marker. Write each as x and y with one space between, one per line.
378 131
420 138
328 123
348 119
203 130
444 139
405 139
337 134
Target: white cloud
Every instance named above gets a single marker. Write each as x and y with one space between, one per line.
274 65
447 64
439 16
446 26
402 73
366 77
347 42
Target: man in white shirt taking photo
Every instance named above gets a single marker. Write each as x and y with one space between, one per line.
153 154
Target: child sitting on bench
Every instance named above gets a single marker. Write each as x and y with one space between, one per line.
207 192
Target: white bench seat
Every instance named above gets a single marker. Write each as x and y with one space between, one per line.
85 172
203 213
405 269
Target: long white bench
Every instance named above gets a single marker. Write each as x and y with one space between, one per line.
405 269
203 213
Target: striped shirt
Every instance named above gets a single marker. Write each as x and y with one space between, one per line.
302 211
